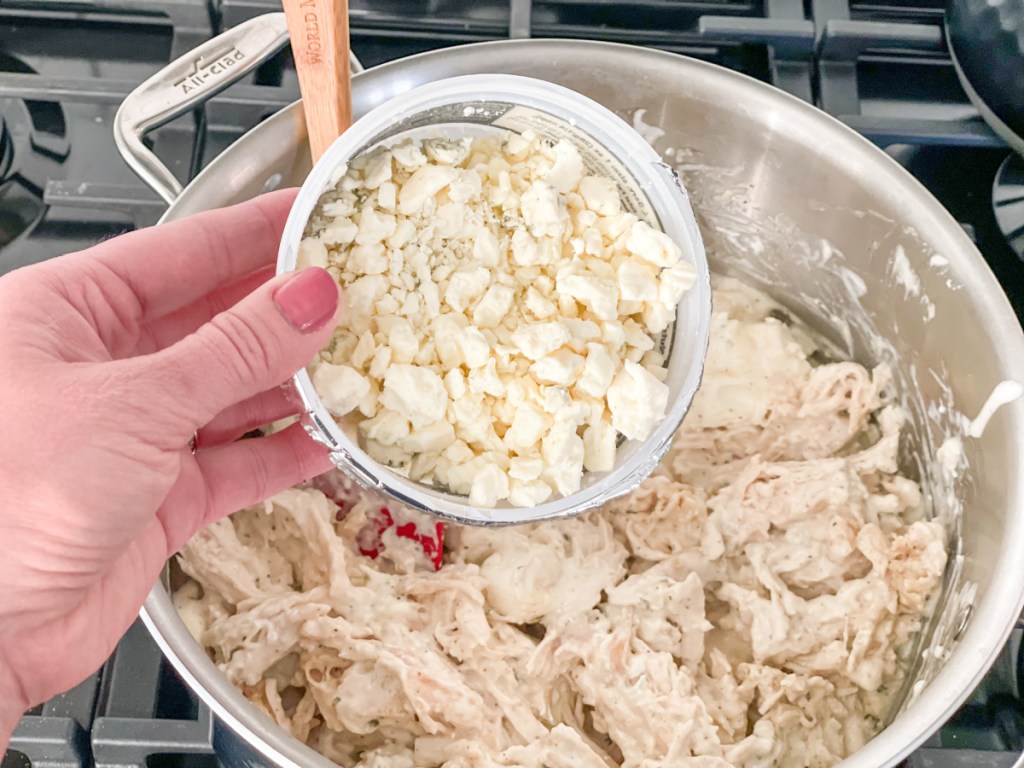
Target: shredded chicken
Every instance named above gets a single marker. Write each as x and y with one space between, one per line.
746 606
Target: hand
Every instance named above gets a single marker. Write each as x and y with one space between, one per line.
109 360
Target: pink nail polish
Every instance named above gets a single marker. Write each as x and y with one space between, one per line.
308 299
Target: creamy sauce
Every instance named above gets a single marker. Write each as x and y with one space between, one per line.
1004 393
761 247
651 133
903 273
775 564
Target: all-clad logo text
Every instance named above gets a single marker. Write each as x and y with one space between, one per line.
207 67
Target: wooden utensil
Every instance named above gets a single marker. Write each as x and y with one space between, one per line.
319 35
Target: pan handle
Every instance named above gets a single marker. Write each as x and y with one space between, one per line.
188 82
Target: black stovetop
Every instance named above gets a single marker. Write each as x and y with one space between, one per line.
879 65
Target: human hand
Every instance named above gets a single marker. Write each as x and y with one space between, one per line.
109 360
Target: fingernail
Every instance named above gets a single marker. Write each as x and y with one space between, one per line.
308 299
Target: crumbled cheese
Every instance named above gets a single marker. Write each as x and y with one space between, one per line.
529 425
312 253
600 195
500 312
341 388
416 393
386 428
599 447
432 438
490 485
637 401
528 494
561 367
493 306
426 182
466 286
562 451
598 370
525 469
539 339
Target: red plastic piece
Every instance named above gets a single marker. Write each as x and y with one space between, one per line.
432 543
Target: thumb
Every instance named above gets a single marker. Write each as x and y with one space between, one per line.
254 346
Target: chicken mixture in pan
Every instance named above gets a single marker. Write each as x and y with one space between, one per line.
746 606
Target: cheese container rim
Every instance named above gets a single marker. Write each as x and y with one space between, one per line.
477 104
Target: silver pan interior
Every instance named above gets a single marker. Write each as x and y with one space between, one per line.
796 204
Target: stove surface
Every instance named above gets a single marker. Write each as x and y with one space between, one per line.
880 66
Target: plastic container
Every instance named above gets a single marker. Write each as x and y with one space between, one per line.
480 104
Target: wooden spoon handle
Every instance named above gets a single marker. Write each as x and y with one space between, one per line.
319 35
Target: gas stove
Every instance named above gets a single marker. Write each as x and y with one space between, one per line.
880 66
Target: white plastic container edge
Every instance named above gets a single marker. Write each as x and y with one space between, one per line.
478 104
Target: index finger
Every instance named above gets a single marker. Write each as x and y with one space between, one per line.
173 264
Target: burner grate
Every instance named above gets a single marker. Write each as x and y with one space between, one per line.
147 710
132 713
1008 202
57 735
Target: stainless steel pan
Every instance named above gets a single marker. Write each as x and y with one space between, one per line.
787 198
